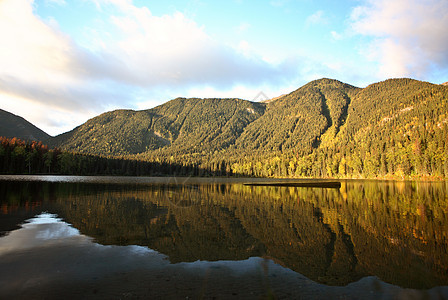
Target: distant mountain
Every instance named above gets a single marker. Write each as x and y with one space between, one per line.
178 126
206 125
15 126
325 128
297 120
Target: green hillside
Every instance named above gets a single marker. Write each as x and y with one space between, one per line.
296 121
181 125
15 126
398 126
326 128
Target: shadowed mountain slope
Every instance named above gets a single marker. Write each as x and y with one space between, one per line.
15 126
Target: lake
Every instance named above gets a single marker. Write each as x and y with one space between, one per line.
137 238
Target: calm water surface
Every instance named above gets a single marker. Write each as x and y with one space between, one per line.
191 237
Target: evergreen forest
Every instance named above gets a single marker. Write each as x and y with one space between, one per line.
397 128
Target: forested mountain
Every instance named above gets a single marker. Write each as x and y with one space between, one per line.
296 121
181 125
394 128
15 126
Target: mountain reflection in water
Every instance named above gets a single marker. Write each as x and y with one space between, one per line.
396 231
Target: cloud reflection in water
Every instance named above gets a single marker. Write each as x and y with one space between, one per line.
48 257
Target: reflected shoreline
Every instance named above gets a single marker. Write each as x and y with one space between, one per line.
73 264
395 232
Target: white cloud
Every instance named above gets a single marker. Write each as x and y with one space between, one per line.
244 48
58 2
132 59
132 55
51 120
242 28
30 50
318 18
410 36
39 76
336 36
173 50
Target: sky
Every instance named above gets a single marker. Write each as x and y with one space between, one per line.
63 62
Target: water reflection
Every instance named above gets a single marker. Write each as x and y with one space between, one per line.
41 230
62 262
395 231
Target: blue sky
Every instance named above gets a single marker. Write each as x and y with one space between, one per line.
65 61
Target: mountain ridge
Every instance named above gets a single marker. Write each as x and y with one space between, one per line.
296 121
171 124
12 125
326 128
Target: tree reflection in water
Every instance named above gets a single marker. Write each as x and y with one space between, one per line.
396 231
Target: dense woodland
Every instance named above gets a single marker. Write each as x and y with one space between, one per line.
408 138
392 129
20 157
